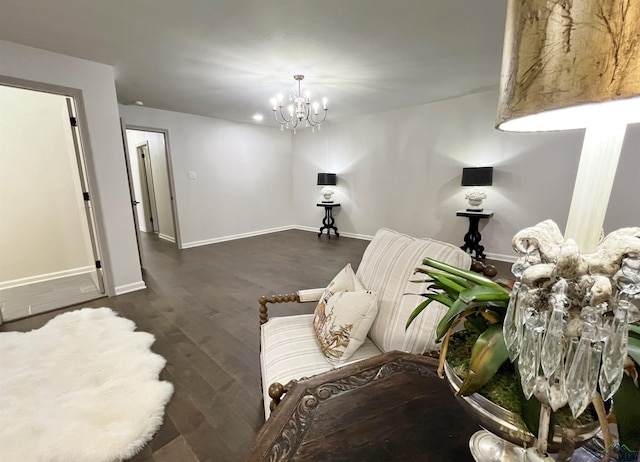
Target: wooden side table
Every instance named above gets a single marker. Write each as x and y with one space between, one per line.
328 222
472 238
392 407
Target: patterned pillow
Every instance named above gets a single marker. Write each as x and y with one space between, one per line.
344 316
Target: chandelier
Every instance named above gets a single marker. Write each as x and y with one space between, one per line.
301 109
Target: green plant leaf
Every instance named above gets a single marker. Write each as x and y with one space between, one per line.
450 316
439 273
446 282
484 294
627 409
633 348
417 311
475 323
442 298
437 286
487 355
634 330
468 275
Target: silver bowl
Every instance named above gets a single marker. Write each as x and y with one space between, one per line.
509 426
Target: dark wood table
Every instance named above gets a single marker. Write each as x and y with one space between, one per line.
392 407
328 221
473 236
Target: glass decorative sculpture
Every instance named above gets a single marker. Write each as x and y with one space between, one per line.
567 323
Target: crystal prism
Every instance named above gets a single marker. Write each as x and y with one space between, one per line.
529 359
557 389
510 329
576 382
614 352
551 354
582 378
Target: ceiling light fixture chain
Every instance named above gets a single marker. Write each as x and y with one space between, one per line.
300 110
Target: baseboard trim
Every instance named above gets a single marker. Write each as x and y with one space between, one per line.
46 277
312 229
166 237
364 237
126 288
500 257
187 245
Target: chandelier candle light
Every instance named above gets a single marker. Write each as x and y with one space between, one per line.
300 110
569 65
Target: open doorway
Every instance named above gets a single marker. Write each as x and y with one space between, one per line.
148 220
151 184
49 249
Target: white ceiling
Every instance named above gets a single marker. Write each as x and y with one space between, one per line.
227 58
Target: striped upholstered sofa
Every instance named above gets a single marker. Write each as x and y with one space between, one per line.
289 348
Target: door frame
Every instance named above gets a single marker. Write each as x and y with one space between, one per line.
86 152
134 202
170 174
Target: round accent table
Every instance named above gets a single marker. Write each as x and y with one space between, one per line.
328 222
472 238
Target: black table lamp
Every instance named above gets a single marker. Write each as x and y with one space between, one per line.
476 176
326 180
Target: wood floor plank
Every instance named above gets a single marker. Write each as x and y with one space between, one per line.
178 449
201 305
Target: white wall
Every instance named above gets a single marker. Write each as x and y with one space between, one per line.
402 170
105 154
43 227
243 174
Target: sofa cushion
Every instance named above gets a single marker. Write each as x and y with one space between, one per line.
343 316
290 351
387 268
342 322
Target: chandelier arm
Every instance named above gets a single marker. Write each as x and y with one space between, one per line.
317 121
283 119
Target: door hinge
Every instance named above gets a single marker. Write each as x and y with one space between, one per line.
151 219
85 196
98 264
74 121
142 155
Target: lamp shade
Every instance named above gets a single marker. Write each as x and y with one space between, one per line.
566 64
477 176
327 179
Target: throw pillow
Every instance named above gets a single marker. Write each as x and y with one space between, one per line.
344 316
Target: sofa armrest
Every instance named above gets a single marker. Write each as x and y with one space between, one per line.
302 296
310 295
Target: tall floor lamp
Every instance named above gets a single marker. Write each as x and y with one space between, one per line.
572 65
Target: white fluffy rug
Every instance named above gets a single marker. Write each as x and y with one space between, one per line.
83 388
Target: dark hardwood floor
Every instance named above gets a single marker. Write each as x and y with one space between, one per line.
202 306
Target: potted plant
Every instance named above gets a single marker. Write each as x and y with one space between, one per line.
474 356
